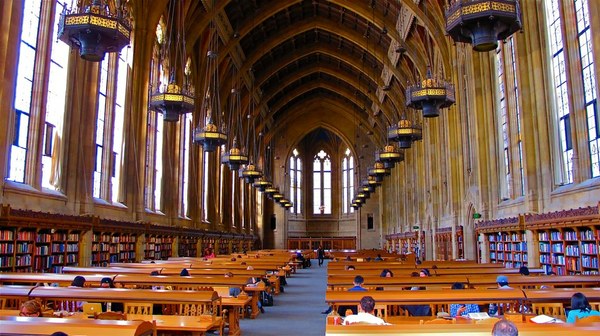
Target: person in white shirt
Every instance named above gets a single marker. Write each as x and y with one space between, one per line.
365 313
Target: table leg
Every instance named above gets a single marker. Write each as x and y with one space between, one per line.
234 323
255 310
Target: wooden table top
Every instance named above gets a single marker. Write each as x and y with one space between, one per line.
110 294
50 278
19 325
428 296
179 323
562 294
525 329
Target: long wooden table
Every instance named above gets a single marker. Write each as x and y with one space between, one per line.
440 272
525 329
473 281
342 264
62 279
195 325
18 325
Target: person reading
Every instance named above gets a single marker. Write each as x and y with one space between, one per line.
365 313
31 308
580 308
462 309
505 328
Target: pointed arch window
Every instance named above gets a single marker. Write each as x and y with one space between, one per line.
561 95
588 76
296 182
347 181
322 183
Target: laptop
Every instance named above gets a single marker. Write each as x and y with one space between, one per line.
91 308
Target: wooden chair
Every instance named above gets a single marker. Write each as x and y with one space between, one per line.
194 309
550 309
2 303
110 316
588 319
138 308
380 311
595 305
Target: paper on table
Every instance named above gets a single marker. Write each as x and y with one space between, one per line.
545 319
479 316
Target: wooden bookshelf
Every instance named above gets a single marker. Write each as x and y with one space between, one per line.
158 247
567 240
504 240
408 243
188 246
329 243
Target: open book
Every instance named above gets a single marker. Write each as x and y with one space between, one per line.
479 316
545 319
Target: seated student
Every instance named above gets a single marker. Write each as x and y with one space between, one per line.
378 258
78 282
31 308
358 287
419 310
365 313
580 308
233 291
462 309
350 268
110 306
505 328
524 270
184 272
386 273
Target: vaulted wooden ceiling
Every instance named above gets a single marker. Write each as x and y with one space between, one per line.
358 54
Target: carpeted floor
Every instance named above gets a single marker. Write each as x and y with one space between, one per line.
298 310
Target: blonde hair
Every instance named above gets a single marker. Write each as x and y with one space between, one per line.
32 306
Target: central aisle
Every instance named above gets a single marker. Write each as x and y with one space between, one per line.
298 310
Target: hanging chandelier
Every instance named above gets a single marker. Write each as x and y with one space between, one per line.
367 187
405 132
235 157
175 99
249 173
211 133
389 155
95 30
482 22
262 184
379 171
430 95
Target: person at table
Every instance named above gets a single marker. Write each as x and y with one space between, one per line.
524 270
107 282
78 282
580 308
505 328
365 313
358 287
462 309
233 290
378 258
208 253
386 273
419 310
502 281
31 308
184 272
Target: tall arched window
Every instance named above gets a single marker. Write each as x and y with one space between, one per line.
561 96
588 76
41 54
154 133
347 181
322 183
509 121
296 182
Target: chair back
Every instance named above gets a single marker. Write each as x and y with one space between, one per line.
380 311
550 309
138 308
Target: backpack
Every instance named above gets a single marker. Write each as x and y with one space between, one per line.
267 299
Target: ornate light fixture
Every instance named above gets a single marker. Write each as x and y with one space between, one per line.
430 95
250 173
379 171
482 22
389 155
262 184
211 132
95 30
174 100
236 156
405 132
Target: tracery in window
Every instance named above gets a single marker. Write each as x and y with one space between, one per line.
588 76
561 96
347 181
322 183
295 172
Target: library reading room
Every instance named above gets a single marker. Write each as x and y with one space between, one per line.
299 167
